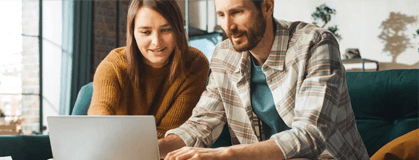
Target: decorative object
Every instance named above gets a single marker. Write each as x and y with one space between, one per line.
352 53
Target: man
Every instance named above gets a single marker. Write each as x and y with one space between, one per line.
279 86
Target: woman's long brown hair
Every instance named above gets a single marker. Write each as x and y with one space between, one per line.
135 60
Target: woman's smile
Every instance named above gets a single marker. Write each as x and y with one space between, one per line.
158 49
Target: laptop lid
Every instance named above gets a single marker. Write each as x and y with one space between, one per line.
103 137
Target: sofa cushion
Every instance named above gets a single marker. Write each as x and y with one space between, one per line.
385 104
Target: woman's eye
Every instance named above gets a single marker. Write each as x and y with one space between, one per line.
166 30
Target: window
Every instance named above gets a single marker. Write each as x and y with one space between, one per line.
20 64
19 80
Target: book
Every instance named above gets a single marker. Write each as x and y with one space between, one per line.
6 158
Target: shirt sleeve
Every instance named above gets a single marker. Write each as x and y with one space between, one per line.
106 90
207 120
319 91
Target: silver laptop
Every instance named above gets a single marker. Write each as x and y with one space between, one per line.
103 137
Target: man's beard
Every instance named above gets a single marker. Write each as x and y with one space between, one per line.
253 35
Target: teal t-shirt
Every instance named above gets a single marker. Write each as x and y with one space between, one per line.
263 103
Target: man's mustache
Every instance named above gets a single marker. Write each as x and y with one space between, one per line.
236 32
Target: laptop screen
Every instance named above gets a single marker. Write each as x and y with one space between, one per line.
103 137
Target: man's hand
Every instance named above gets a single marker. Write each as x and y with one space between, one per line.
170 143
194 153
265 150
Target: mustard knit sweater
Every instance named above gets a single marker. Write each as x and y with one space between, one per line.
171 104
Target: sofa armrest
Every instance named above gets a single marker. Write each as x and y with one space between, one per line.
22 147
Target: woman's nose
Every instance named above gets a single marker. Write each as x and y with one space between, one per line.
156 39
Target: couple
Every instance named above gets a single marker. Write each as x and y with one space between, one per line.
279 86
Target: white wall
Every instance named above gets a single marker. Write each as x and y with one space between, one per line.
358 21
359 24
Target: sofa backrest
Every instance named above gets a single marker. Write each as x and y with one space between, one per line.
84 97
24 147
385 104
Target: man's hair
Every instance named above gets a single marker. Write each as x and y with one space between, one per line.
258 4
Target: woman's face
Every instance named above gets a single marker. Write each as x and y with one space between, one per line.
154 36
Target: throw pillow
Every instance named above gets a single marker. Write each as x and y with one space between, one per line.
405 147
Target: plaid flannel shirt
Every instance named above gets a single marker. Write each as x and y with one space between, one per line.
307 80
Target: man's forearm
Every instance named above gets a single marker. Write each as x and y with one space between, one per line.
265 150
172 147
170 143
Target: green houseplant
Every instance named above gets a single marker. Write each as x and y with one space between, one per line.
324 13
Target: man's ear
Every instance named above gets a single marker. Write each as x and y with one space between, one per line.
268 7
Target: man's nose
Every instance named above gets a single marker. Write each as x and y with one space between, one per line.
230 24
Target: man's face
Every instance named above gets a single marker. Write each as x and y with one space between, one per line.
243 23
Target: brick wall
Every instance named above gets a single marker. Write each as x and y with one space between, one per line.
123 10
30 66
107 26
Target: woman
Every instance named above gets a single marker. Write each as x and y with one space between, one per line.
156 73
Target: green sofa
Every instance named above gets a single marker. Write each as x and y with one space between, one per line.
385 105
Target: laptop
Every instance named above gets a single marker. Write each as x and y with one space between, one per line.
103 137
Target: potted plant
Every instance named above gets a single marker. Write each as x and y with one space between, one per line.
324 13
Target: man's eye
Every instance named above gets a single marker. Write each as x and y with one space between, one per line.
221 15
236 12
